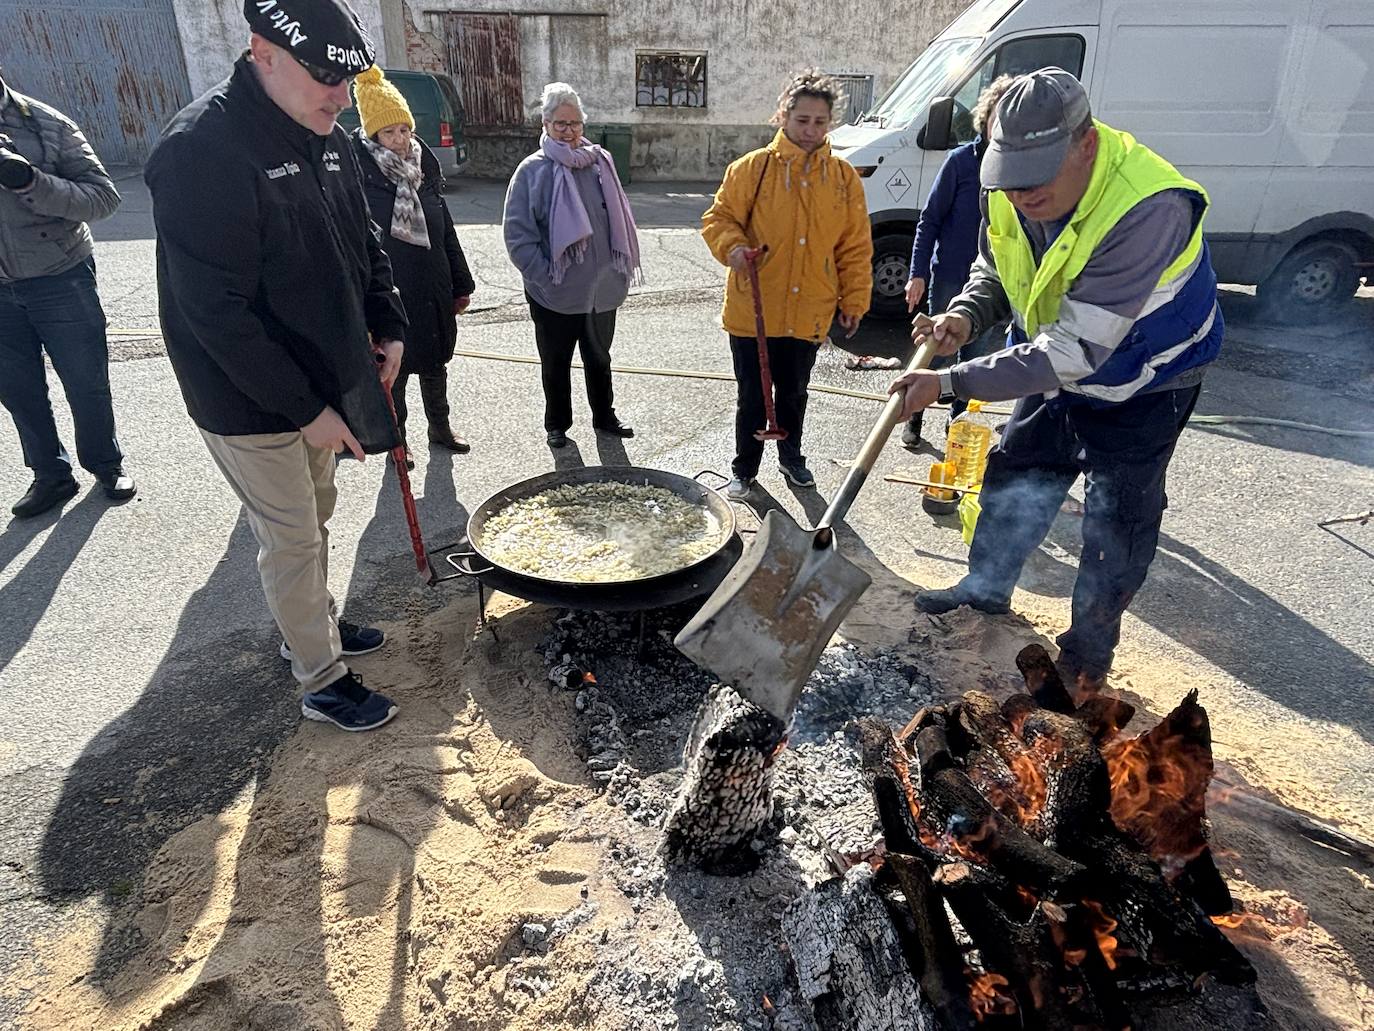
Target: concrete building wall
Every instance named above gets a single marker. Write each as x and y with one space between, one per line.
752 46
214 33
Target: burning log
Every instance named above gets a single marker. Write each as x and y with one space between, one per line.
1159 797
1049 991
726 795
848 960
1043 680
933 954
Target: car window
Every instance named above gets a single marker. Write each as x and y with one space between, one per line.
1015 57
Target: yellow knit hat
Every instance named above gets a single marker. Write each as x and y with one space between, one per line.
379 102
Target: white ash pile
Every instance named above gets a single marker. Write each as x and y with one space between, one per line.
847 684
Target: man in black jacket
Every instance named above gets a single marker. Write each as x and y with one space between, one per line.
271 281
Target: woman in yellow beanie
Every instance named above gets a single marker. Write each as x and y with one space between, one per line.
404 188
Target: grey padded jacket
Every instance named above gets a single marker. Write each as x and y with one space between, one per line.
43 230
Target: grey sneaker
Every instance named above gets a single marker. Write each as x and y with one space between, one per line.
739 487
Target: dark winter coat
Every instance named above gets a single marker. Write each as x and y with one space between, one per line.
43 230
270 278
429 280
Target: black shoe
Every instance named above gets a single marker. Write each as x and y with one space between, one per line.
441 433
798 475
557 438
43 495
353 640
939 602
615 429
911 432
348 705
410 460
118 485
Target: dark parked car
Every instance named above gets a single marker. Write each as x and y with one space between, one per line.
438 112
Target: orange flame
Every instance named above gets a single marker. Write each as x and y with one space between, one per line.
986 998
1103 926
588 678
1157 787
1034 789
1253 925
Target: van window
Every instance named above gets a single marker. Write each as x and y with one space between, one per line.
908 99
1015 57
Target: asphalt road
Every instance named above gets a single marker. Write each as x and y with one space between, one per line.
137 670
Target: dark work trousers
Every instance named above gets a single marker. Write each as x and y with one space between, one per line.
433 395
557 336
790 362
1123 450
61 315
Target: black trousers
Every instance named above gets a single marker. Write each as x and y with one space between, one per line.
557 336
60 315
433 395
790 362
1123 450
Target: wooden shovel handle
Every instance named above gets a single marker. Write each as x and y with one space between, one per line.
868 454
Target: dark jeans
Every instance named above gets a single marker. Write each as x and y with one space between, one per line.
557 336
1123 450
61 315
790 362
433 395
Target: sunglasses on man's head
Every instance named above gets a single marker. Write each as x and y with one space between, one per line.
324 76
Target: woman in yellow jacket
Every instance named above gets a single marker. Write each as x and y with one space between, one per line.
807 206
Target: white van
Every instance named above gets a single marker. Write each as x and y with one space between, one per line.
1268 103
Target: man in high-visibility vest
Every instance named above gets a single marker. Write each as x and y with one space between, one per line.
1093 244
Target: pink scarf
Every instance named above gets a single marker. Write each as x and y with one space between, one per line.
570 230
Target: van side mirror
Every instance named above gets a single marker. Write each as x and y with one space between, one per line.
939 125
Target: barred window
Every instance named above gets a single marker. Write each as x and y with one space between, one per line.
857 98
670 79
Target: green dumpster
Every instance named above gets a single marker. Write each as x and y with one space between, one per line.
617 140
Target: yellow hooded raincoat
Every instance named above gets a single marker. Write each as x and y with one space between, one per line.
810 211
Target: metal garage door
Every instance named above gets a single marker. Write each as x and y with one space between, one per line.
115 67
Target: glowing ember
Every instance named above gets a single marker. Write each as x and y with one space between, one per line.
768 1006
986 996
1103 926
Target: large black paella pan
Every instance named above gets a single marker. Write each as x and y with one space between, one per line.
690 579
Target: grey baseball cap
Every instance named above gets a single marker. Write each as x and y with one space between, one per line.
1035 122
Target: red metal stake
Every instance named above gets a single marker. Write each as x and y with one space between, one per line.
398 457
773 431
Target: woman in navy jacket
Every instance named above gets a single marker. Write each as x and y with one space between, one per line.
947 240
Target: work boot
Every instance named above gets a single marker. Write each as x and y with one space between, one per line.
43 495
441 433
557 438
911 432
939 602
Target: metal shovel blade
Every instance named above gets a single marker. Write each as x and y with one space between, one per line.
766 624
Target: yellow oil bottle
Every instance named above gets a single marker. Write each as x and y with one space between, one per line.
967 446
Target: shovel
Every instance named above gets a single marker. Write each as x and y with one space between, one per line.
765 626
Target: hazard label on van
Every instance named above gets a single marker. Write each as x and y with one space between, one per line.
898 185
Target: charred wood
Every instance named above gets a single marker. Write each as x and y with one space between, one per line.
1043 680
726 794
848 960
1104 716
932 953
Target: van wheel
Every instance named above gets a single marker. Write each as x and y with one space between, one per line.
1313 283
891 270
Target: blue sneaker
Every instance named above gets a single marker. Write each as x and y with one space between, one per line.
356 640
348 705
798 474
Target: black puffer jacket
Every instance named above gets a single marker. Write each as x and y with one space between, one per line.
430 279
270 277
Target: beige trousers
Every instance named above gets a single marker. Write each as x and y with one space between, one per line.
288 494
